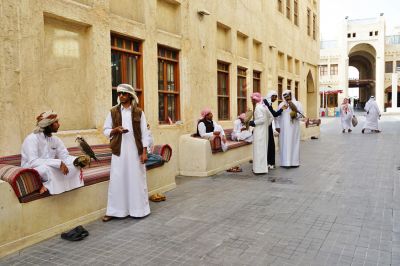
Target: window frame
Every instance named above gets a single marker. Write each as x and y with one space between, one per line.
296 89
225 72
240 77
296 12
387 65
168 60
280 89
125 53
334 69
323 70
280 5
308 22
288 10
257 80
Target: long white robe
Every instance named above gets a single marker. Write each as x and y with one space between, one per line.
127 191
373 113
289 136
238 134
217 128
345 117
45 154
262 118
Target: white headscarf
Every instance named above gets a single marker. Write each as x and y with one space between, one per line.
288 92
44 120
128 89
269 96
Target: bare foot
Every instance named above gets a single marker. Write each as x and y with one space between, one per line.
42 190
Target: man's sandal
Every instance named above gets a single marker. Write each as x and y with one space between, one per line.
107 218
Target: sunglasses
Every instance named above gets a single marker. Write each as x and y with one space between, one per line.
122 93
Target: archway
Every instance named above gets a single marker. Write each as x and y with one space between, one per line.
312 110
363 58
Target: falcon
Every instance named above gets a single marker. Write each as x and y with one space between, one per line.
85 148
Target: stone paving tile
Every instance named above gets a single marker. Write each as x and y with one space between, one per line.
339 208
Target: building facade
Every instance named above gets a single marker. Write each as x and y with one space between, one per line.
180 56
362 44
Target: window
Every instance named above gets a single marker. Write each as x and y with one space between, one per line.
348 35
308 22
334 70
370 33
280 6
126 65
389 67
241 90
168 85
256 81
397 66
296 13
314 27
296 90
323 70
288 15
354 34
376 33
289 84
223 90
280 89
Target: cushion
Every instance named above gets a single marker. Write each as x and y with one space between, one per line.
24 181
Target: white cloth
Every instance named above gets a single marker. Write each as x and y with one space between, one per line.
289 136
127 191
262 118
150 140
217 128
373 114
345 117
238 134
45 154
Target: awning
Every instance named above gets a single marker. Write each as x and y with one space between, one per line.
331 92
389 89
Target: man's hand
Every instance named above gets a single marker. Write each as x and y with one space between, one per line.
284 107
118 130
252 124
143 157
64 168
278 130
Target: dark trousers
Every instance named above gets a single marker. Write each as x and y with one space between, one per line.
271 146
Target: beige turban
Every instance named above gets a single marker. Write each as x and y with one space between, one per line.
128 89
44 120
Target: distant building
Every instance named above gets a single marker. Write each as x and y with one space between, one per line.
364 45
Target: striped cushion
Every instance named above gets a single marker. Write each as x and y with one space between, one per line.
165 151
23 181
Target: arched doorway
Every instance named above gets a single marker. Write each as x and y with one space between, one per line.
312 97
363 58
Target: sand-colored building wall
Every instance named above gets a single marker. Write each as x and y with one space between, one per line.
56 55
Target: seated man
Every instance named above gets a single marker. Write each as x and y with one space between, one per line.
207 128
240 132
151 157
47 154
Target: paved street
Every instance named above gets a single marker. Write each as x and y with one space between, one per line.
341 207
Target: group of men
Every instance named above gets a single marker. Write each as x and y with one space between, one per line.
286 122
371 120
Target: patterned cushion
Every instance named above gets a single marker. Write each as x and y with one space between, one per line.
23 181
165 151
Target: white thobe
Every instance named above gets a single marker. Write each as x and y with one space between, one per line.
45 154
217 128
238 134
289 136
262 118
373 113
127 190
345 117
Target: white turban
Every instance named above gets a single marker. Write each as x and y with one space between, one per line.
269 96
128 89
44 120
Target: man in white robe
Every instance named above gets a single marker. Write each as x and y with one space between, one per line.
47 154
239 130
346 114
207 128
126 127
288 126
373 115
262 119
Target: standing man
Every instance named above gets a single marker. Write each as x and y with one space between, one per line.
47 154
207 128
268 101
240 132
346 114
262 119
373 115
288 126
126 127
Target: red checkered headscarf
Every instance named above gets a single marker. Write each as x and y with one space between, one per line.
44 120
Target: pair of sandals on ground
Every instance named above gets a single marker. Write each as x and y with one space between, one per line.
76 234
